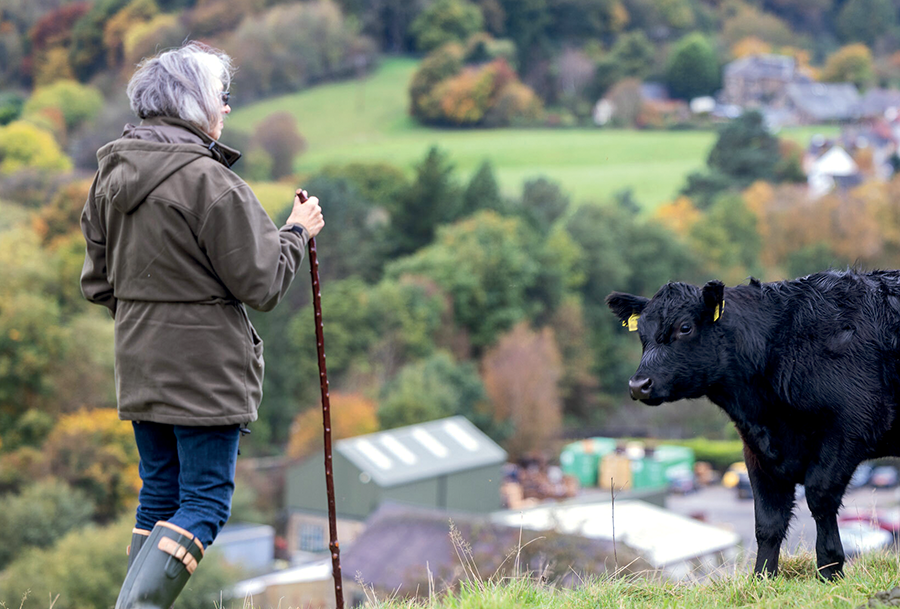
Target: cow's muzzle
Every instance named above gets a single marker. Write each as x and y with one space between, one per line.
640 387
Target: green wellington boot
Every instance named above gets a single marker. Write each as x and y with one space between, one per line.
159 571
138 537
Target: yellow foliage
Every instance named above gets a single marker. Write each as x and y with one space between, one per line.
137 11
94 450
750 45
23 145
52 65
679 216
351 415
136 34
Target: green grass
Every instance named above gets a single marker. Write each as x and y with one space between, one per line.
367 120
796 586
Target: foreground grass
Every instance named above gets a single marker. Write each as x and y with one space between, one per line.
796 586
367 120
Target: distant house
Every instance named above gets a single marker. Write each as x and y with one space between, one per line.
248 546
880 104
446 464
757 81
814 103
833 168
676 546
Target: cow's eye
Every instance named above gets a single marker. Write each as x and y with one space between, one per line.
685 329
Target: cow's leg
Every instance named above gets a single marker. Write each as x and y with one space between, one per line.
773 504
825 486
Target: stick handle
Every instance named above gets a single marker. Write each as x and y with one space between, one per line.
326 418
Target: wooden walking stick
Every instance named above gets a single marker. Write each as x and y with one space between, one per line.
326 418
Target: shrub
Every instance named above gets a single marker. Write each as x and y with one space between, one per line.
440 65
78 103
24 146
41 514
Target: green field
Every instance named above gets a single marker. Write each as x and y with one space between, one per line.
367 120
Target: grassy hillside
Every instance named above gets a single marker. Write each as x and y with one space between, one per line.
367 120
797 586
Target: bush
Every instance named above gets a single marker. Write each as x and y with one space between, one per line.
24 146
44 512
86 569
78 103
719 453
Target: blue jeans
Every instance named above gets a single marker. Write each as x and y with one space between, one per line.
188 476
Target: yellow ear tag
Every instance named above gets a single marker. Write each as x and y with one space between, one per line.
718 312
632 322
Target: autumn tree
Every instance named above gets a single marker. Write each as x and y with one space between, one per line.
278 135
94 451
851 63
521 377
352 415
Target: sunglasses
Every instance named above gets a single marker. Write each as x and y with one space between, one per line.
226 95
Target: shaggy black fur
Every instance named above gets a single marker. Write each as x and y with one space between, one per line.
807 370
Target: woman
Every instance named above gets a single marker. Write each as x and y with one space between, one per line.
177 244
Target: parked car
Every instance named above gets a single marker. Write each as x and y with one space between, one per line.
884 476
861 476
736 477
860 537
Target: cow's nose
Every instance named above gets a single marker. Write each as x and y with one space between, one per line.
640 387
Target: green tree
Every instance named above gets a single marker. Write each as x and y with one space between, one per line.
360 247
543 203
693 68
431 200
866 20
634 54
429 389
446 21
728 239
851 63
438 66
483 192
87 55
37 517
486 264
745 150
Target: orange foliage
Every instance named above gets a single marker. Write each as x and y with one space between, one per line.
679 215
521 377
351 415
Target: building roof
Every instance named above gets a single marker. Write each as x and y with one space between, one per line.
662 537
780 67
825 101
876 102
406 454
401 545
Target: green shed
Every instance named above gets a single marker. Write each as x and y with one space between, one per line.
445 464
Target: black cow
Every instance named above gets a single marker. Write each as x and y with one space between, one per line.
807 370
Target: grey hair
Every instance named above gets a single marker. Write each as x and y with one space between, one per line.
182 83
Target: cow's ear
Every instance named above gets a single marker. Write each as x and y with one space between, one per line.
627 307
714 299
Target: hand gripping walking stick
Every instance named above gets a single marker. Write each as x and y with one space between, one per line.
326 418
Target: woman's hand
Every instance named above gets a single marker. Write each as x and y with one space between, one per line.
307 213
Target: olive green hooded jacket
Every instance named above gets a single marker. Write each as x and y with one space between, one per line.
177 244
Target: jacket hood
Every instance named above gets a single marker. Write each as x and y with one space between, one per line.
146 155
